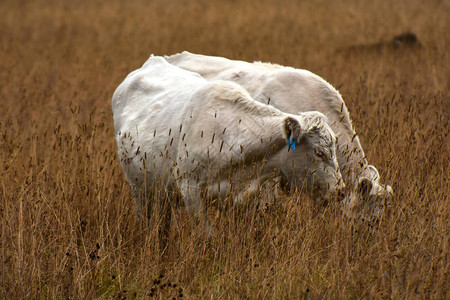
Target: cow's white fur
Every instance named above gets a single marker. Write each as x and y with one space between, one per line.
294 91
211 139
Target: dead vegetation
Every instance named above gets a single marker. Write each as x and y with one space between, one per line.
67 223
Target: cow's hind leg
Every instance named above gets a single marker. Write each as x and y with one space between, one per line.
192 197
154 208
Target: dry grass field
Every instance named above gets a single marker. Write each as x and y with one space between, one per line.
68 228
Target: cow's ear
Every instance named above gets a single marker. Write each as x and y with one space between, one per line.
292 131
317 122
364 187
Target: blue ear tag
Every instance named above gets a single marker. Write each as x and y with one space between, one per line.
291 142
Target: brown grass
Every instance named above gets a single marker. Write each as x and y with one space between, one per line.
68 226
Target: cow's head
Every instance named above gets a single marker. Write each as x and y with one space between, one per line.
368 198
310 154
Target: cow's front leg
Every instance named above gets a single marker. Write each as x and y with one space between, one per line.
266 191
193 202
269 192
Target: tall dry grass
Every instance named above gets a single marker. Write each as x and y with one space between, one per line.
68 227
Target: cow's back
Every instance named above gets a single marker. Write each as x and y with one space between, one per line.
212 67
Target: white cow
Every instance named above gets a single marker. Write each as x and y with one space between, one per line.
294 91
211 140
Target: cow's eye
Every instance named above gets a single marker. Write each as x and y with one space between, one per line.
320 154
